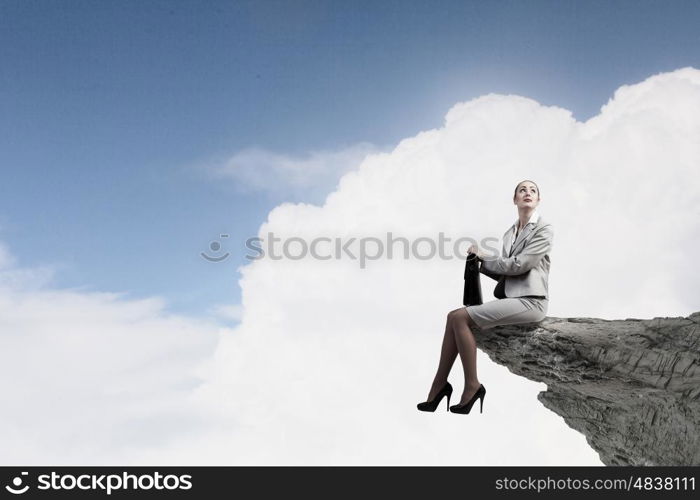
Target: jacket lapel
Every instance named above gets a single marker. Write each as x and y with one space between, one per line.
507 240
522 236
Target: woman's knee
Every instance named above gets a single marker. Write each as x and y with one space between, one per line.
452 314
460 315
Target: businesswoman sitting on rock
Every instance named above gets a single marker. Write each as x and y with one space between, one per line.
522 272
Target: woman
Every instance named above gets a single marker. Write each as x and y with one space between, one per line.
522 272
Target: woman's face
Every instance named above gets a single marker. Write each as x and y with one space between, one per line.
527 195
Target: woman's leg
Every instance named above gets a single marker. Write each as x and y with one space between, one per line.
466 345
448 354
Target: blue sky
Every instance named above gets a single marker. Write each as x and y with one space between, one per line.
107 107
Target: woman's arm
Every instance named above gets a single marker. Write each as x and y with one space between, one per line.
488 273
538 245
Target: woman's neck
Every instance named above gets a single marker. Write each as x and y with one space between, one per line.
524 215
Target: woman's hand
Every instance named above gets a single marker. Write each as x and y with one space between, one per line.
474 249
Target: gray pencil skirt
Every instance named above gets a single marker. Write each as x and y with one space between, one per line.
508 311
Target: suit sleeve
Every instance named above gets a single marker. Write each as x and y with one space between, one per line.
536 248
491 275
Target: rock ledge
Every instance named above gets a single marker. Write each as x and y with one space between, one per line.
632 386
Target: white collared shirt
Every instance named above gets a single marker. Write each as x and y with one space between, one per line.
534 217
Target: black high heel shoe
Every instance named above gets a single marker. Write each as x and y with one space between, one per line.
433 404
466 407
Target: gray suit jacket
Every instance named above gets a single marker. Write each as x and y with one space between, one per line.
525 269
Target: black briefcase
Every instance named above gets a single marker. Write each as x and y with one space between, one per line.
472 282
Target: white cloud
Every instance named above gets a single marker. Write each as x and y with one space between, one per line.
88 377
232 312
329 360
12 276
300 177
6 258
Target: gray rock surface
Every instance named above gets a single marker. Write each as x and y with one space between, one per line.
632 386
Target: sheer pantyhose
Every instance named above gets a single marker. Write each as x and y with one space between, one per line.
458 339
